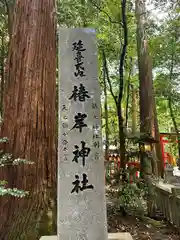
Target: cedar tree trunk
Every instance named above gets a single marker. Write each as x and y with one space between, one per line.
29 118
148 113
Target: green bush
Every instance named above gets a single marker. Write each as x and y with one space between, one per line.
7 159
133 199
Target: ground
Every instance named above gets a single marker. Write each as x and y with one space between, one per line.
144 229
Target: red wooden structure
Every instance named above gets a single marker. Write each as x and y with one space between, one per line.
114 158
163 141
114 165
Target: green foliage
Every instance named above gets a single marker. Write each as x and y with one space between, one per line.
13 192
7 159
105 17
133 199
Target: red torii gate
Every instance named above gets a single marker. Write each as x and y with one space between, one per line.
115 158
164 141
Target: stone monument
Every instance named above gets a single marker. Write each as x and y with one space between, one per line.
81 199
81 185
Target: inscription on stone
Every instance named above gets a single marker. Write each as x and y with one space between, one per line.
81 192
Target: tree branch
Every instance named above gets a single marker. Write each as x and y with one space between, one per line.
7 5
101 10
123 52
107 75
169 95
128 89
9 8
170 102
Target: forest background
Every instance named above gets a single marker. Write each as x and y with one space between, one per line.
138 45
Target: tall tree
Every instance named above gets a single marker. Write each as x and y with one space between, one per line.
105 107
128 94
29 118
148 120
119 97
170 100
145 78
134 109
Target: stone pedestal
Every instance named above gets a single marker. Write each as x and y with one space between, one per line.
111 236
120 236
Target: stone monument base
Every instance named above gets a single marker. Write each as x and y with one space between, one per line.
111 236
119 236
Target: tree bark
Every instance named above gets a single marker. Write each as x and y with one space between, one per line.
118 99
148 113
29 119
121 85
2 72
134 109
145 81
128 93
159 163
105 108
145 74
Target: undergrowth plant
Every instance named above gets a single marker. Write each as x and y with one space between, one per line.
7 159
132 199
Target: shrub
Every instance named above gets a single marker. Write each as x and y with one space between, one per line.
7 159
132 199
